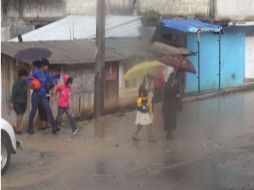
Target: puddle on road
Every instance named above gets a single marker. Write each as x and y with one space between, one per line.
31 159
227 170
250 148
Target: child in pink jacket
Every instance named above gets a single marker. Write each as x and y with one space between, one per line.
64 96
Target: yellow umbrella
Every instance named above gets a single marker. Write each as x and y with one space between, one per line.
149 67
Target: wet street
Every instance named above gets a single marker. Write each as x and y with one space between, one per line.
213 149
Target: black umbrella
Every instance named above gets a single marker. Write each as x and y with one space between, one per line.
32 54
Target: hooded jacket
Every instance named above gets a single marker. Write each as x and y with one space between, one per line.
64 94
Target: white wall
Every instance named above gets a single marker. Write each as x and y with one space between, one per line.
249 57
235 10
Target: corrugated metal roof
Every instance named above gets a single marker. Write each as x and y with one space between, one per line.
190 25
63 52
136 48
84 27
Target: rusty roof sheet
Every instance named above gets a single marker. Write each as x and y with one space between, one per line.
63 52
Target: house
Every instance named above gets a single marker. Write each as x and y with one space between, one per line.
222 59
76 58
75 27
134 51
22 16
124 34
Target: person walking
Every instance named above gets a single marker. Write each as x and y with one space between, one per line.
157 126
41 111
144 114
64 96
169 105
19 98
39 96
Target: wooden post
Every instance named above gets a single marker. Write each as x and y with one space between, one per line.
20 9
100 59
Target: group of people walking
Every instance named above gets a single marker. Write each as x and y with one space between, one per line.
41 83
152 91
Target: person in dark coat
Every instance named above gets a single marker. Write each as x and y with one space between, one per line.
19 98
169 105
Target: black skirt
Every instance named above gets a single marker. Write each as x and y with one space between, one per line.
20 108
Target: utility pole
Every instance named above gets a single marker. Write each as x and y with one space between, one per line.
100 59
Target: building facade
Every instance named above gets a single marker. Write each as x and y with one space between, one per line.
222 54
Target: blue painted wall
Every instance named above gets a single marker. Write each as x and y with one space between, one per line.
232 60
191 80
232 57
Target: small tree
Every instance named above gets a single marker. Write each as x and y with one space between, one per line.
151 17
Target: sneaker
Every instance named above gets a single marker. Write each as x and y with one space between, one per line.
58 129
76 131
43 128
54 131
30 131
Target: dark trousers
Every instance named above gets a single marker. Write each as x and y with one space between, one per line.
61 111
42 112
36 99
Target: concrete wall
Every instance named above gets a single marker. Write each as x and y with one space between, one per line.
249 56
88 7
5 33
235 10
14 28
175 7
232 60
80 7
21 16
47 10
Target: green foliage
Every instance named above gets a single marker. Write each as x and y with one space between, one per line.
152 17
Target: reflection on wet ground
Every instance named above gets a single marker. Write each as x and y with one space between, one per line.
212 150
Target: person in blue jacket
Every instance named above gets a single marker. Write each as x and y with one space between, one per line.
39 96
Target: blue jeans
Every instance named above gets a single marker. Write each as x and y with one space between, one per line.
36 99
61 111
